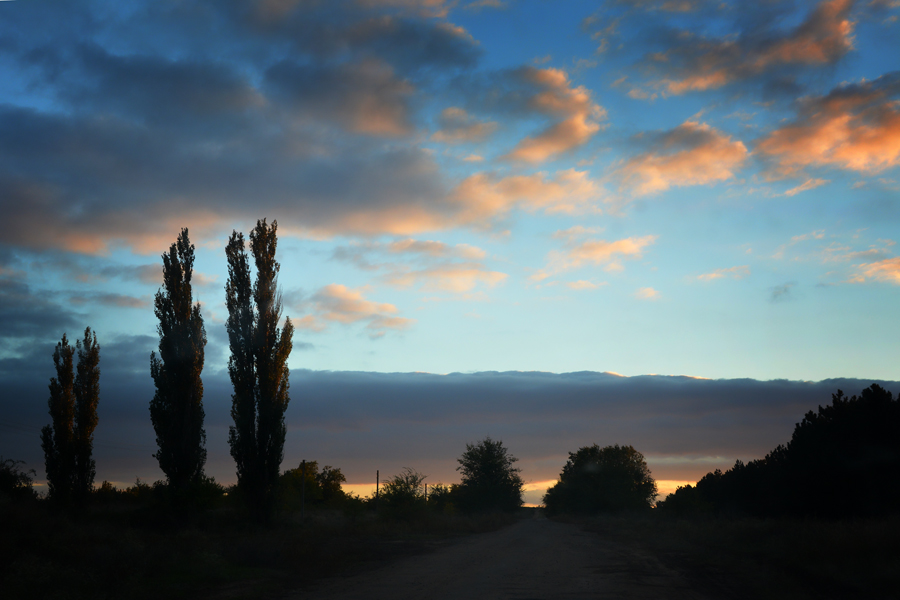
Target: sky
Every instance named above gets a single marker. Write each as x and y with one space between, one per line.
682 203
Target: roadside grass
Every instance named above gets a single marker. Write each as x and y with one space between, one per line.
141 552
741 557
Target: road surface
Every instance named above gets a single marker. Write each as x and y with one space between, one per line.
533 559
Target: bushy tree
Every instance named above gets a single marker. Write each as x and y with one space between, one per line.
489 479
176 409
68 441
15 482
257 366
308 484
596 479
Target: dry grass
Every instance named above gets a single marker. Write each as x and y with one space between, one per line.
123 552
733 557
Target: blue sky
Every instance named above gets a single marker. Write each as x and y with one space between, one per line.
674 187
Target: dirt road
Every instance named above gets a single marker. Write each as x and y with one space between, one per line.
532 559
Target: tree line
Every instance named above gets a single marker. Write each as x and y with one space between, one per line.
841 461
257 367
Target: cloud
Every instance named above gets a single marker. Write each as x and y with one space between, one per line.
26 314
337 303
456 278
691 154
646 293
365 421
735 272
855 127
429 265
363 98
111 300
457 127
887 270
584 284
485 196
579 252
809 184
698 63
556 97
780 293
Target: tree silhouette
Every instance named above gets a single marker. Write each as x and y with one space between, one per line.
257 366
58 439
177 406
489 480
68 442
838 463
403 495
596 479
87 396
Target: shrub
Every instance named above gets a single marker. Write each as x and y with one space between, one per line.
16 483
403 495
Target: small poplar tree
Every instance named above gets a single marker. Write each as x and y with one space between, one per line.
176 409
257 366
68 442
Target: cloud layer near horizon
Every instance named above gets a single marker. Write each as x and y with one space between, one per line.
362 421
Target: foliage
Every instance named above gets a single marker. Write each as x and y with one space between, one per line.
308 485
489 480
257 366
442 498
403 495
177 406
596 479
835 465
68 441
16 483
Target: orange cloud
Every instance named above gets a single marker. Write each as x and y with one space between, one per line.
597 252
580 116
691 154
824 37
736 272
646 293
884 270
484 196
809 184
855 127
456 278
337 303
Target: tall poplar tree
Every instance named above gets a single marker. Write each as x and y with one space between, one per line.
257 366
177 406
58 439
68 442
87 396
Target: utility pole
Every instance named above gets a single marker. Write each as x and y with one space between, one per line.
376 489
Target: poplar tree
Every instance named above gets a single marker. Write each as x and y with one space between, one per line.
68 442
58 438
87 396
257 366
177 406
